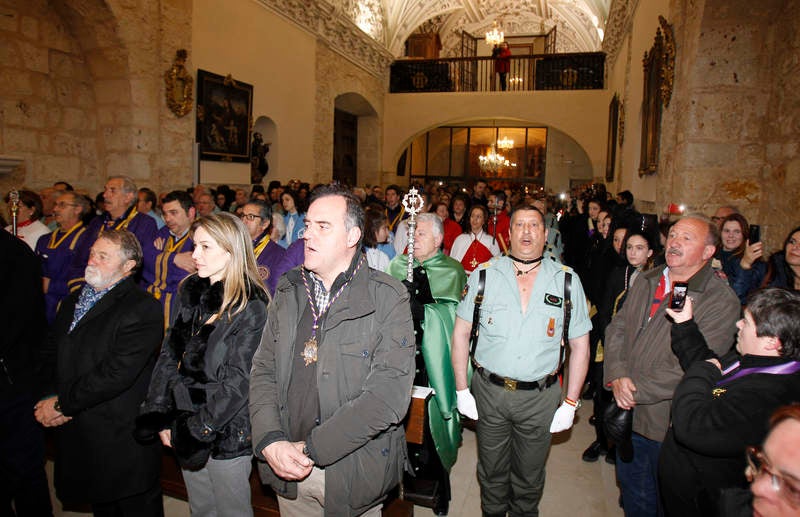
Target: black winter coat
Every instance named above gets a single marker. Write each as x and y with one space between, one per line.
201 381
103 369
704 451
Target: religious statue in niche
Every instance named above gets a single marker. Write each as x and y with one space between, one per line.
258 159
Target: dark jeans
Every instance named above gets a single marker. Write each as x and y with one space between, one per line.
22 476
638 479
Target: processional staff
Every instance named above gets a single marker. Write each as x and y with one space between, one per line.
413 204
13 198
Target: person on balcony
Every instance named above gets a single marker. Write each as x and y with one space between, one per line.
502 63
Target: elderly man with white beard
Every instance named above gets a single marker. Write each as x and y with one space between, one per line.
97 369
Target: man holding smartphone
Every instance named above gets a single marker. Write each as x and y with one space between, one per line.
640 366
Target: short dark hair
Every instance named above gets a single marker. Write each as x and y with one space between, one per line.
181 196
264 210
500 195
627 197
397 189
354 214
66 185
149 196
776 313
524 207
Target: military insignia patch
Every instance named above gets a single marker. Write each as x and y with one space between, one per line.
718 392
465 291
552 300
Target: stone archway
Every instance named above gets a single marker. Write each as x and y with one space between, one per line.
356 140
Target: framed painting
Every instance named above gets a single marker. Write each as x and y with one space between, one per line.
659 70
224 117
611 149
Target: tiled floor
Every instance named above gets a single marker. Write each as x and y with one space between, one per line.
573 488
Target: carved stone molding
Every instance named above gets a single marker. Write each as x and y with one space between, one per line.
8 163
342 35
668 65
618 25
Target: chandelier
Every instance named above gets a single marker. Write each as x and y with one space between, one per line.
505 143
493 162
495 36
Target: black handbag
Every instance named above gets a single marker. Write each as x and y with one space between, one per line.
618 425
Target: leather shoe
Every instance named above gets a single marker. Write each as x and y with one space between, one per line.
593 452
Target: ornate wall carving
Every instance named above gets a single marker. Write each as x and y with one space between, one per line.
618 25
341 34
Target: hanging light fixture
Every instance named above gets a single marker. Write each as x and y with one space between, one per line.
495 36
493 162
505 143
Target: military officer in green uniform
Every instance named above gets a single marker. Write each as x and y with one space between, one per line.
515 396
435 291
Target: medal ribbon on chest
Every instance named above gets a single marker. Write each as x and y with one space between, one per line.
309 353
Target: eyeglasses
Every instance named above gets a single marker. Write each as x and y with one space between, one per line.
758 464
250 217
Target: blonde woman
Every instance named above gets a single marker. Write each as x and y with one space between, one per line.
197 401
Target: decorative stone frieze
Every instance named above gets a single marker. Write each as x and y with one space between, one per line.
341 34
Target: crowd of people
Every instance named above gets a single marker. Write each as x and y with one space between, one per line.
291 323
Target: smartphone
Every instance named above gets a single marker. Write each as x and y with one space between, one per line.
755 233
678 298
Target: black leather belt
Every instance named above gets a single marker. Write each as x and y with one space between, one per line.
513 384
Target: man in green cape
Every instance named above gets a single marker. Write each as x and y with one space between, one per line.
435 293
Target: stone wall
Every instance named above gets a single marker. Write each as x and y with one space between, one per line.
730 134
82 92
48 110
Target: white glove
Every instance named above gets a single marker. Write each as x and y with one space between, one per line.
563 418
466 404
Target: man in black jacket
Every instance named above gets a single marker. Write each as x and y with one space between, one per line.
105 337
22 320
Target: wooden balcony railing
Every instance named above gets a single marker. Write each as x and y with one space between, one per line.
584 71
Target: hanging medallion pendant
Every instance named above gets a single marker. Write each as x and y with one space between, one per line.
310 351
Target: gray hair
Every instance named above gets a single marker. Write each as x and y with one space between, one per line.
436 223
128 185
129 247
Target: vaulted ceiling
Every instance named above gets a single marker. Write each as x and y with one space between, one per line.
580 23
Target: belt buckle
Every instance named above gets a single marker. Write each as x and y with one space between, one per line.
509 384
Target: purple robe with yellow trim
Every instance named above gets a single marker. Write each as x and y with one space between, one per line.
268 256
160 275
57 255
141 225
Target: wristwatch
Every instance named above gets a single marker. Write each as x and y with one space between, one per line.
574 403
